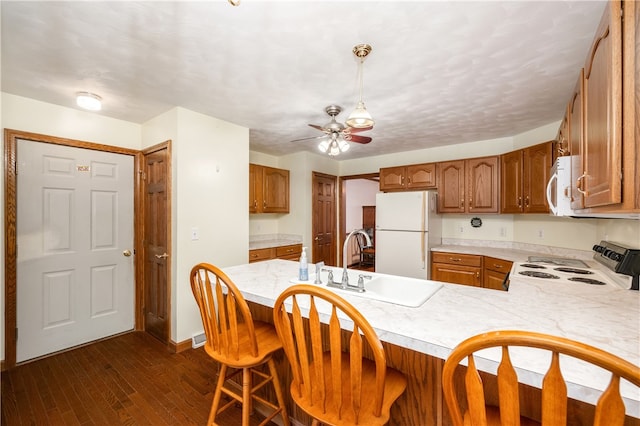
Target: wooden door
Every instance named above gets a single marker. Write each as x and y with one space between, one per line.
275 190
324 219
75 241
576 147
482 184
536 173
392 178
511 182
421 176
156 239
602 183
451 187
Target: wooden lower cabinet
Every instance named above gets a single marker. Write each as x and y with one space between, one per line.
457 268
422 403
469 269
289 252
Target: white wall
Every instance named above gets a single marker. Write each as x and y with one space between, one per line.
210 183
362 192
19 113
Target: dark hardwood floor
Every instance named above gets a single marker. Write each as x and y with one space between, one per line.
130 379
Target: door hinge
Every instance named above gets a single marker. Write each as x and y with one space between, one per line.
16 333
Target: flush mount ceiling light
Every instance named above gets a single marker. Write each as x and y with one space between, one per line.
234 2
360 117
89 101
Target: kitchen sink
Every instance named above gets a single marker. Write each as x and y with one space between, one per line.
410 292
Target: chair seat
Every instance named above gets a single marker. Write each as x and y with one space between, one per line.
268 342
395 385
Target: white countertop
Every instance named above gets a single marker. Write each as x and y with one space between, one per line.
607 317
273 240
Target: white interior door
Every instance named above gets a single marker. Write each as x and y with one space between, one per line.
74 228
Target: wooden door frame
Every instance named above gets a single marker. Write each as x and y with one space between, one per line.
10 227
335 179
343 206
140 225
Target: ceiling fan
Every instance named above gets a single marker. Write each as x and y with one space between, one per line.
337 135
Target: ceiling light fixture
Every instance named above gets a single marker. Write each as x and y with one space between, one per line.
360 117
89 101
334 146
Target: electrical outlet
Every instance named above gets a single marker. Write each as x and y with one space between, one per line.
503 231
540 233
461 229
195 234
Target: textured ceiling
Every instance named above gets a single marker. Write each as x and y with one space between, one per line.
440 72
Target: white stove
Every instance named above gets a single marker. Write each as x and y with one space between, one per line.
618 266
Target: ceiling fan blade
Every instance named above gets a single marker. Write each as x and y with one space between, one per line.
358 139
315 126
306 139
356 130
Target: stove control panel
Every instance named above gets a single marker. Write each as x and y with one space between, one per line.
620 259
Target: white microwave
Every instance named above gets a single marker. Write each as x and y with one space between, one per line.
558 188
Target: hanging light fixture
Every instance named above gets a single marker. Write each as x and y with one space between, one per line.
89 101
360 117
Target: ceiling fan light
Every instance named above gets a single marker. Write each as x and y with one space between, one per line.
334 150
89 101
343 145
360 117
323 146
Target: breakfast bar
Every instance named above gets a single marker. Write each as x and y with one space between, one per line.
417 340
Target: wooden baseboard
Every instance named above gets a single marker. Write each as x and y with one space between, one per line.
179 347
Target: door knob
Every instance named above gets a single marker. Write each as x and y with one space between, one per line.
126 253
162 256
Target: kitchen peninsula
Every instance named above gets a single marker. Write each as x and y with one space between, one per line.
416 340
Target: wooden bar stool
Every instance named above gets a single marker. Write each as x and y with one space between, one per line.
332 381
610 409
236 342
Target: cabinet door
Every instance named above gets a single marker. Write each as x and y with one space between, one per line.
255 187
421 176
536 173
451 187
457 274
575 130
392 178
511 182
482 184
275 197
602 183
493 279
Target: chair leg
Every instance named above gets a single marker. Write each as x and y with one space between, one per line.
276 384
217 394
247 405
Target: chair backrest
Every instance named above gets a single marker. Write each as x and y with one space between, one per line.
226 317
610 409
305 346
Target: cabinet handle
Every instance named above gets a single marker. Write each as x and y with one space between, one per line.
497 266
255 204
477 274
526 201
409 180
455 259
519 201
264 204
289 250
462 203
579 184
254 255
470 203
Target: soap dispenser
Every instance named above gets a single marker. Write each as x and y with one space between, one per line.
304 267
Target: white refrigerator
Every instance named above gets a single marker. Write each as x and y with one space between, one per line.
407 226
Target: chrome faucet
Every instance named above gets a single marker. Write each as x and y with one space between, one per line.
345 277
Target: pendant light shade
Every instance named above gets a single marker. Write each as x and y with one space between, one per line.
360 117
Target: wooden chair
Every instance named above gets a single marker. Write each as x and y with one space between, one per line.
236 342
367 253
332 381
609 411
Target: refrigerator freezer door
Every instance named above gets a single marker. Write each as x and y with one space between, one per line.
405 211
402 253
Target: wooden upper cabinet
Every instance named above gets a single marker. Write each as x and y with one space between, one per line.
412 177
524 175
576 146
451 187
469 186
268 189
602 103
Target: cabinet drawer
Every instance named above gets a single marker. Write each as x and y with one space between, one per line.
261 254
456 259
292 251
497 265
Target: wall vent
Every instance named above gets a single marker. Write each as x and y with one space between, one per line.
198 340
